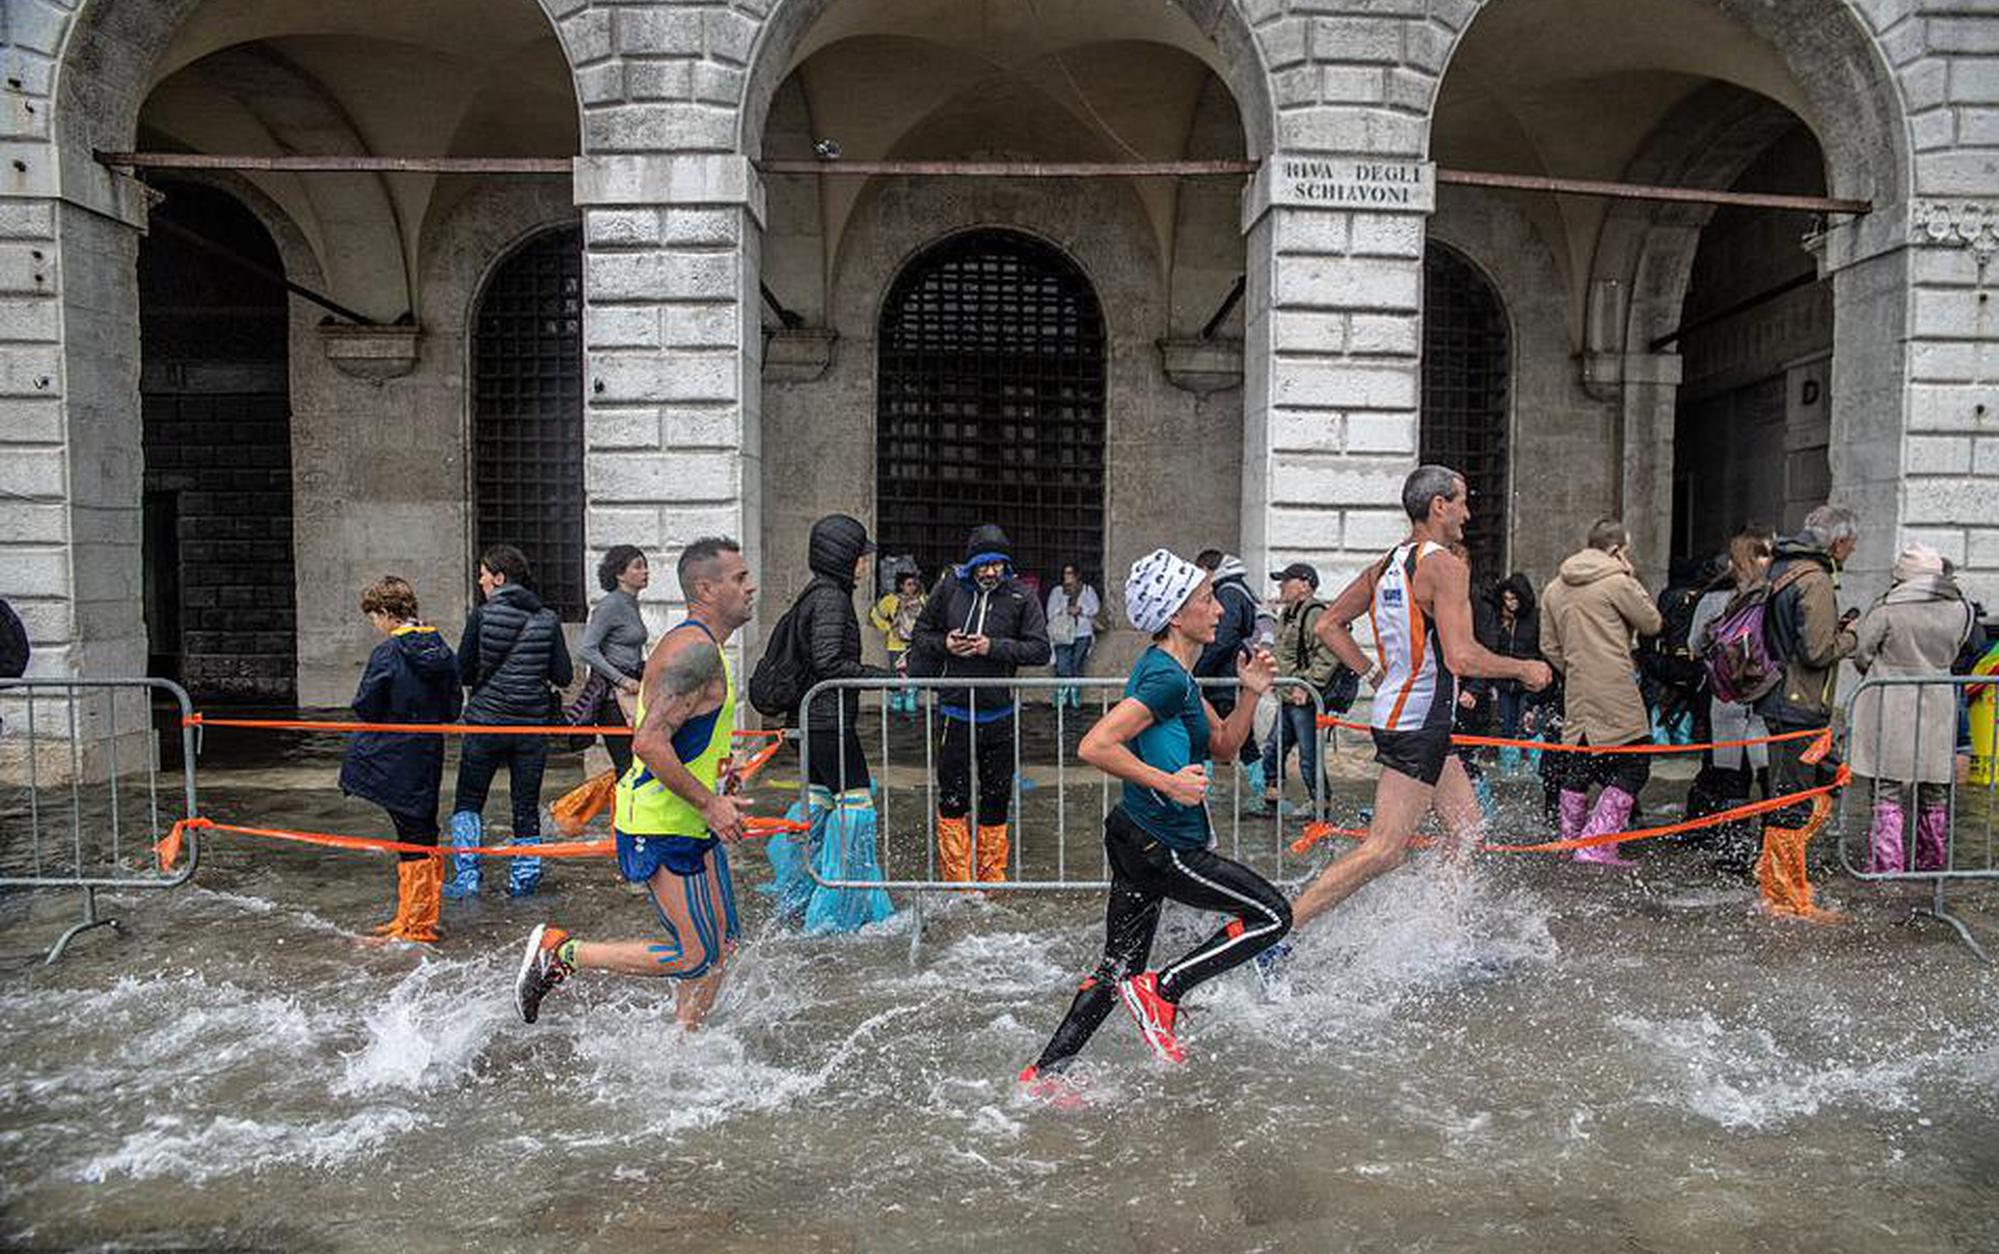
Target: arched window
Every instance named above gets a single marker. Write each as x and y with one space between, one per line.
991 405
527 414
215 400
1466 358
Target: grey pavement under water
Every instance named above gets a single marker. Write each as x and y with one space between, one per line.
1532 1057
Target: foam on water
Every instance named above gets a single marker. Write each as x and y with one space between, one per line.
197 1150
428 1031
1741 1076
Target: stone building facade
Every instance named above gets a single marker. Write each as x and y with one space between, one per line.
715 353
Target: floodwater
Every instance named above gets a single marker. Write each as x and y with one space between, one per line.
1530 1056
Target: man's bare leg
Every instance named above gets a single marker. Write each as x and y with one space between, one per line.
691 947
693 999
1399 804
1456 806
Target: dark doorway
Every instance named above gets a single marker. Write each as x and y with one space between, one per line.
1754 413
216 407
991 405
1467 359
527 414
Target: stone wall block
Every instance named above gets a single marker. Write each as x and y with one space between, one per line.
731 36
606 525
1356 39
1951 314
28 268
1381 433
32 422
1397 235
1285 44
31 319
1964 172
30 523
1351 129
1982 548
1951 542
1426 46
37 572
602 83
1304 430
1308 529
718 84
1385 335
1309 331
1937 455
1963 34
622 326
1944 361
682 523
1974 80
609 428
1953 407
37 25
1961 501
621 228
701 228
652 127
1978 127
35 71
1985 458
1456 14
686 427
1306 382
1376 530
30 371
634 478
678 376
656 78
27 220
703 326
660 29
1345 283
1354 84
1311 232
1296 85
1411 91
586 36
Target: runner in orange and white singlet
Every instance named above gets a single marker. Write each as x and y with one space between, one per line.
1419 607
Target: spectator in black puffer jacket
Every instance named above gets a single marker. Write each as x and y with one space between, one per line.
1506 622
511 652
837 553
979 623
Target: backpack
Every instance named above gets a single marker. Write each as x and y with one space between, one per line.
13 644
1339 693
784 672
1735 648
1670 660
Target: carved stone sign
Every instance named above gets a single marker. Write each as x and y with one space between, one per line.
1352 183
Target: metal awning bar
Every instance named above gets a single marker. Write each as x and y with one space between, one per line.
1017 169
338 164
974 169
1643 191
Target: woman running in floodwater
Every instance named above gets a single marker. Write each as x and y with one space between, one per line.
1157 838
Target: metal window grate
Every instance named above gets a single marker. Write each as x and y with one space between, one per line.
1466 359
527 407
991 405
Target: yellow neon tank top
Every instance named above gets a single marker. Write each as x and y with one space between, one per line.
647 807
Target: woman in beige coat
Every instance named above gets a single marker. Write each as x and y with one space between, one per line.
1906 734
1590 616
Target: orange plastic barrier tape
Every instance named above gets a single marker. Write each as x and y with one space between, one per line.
168 850
1316 832
1824 735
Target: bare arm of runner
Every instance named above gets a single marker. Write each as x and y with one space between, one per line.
1333 629
683 679
1256 672
1104 747
1444 582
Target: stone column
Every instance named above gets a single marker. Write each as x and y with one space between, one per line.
1645 490
1332 358
672 350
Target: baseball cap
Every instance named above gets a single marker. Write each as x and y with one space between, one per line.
1297 570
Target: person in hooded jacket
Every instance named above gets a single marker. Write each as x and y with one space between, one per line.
411 677
1245 625
1510 626
511 652
1904 736
841 791
1590 616
980 623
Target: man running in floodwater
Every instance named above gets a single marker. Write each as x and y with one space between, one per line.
1417 602
672 817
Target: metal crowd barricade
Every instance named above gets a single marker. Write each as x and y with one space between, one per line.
1040 862
82 796
1973 810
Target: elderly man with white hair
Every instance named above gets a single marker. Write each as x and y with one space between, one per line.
1808 635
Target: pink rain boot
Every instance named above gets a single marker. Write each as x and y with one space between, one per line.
1575 809
1933 839
1613 811
1884 839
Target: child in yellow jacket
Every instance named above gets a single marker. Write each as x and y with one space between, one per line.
895 617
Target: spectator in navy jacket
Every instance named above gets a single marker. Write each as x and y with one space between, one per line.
412 677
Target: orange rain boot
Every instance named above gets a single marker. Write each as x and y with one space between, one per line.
393 927
992 853
954 849
422 886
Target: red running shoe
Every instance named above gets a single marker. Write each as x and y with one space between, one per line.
1153 1014
1054 1088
